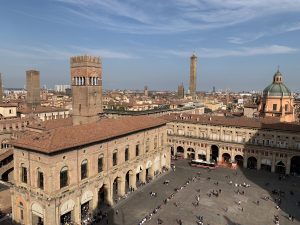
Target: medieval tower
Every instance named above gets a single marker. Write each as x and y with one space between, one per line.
33 98
193 75
1 89
86 81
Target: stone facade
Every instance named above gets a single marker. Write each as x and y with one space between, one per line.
31 203
270 149
86 81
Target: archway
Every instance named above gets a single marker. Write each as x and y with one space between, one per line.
116 188
239 160
214 153
252 163
180 152
280 168
102 195
8 175
266 165
202 155
37 214
295 165
127 181
226 157
191 153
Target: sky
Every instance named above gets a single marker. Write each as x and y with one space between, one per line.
239 43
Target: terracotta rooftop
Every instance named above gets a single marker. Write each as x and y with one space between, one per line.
50 141
257 123
52 124
40 109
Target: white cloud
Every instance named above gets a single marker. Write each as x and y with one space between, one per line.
243 51
245 38
51 53
156 16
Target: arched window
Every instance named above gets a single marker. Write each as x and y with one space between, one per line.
64 179
5 144
100 163
23 173
127 153
115 158
21 206
84 169
40 179
137 149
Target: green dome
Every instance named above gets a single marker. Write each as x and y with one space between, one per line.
277 90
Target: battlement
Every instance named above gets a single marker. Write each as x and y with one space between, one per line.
85 59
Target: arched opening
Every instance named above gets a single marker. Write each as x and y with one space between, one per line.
37 214
214 153
180 152
239 160
295 165
202 155
226 158
67 212
266 165
86 204
8 175
116 188
102 195
127 180
280 168
191 153
252 163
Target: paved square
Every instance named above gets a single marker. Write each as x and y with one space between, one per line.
215 210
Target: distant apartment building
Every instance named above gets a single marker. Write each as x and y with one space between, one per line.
61 87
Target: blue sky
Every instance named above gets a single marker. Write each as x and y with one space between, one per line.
239 43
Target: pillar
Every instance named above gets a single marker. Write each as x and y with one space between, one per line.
258 162
151 172
95 198
288 166
143 176
208 154
132 180
273 163
121 187
108 191
77 210
245 162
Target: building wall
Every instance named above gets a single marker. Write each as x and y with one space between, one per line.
262 144
54 200
8 111
50 115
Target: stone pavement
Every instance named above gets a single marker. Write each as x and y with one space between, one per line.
215 210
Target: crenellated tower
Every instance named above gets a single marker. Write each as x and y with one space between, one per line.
86 81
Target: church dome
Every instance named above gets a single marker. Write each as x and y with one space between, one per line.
277 88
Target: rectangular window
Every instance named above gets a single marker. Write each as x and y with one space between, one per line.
40 180
22 214
83 171
100 165
115 159
126 154
274 107
137 150
63 178
24 174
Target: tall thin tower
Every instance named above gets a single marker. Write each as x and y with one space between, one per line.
33 98
193 75
86 80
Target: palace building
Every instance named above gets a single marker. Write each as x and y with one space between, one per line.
67 168
264 143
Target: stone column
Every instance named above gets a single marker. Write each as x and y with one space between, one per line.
132 180
151 172
245 161
95 198
143 176
259 161
121 187
208 153
273 163
288 165
108 191
77 210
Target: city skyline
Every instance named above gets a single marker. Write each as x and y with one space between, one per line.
142 43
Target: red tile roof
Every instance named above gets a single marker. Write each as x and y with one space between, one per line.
54 140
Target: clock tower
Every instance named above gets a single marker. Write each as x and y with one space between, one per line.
86 81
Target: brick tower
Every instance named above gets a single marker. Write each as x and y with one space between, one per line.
33 98
193 75
86 80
